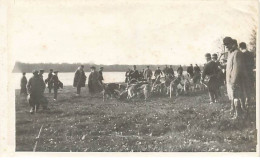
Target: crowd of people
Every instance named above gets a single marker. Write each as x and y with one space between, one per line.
235 72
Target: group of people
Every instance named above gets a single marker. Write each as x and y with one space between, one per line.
95 80
35 88
36 85
236 72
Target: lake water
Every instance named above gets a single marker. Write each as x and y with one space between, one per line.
67 77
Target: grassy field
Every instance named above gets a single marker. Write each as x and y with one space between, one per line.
87 124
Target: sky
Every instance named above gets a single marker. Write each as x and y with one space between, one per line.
126 32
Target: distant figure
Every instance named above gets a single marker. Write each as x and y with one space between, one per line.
56 84
157 73
35 88
250 65
101 78
48 80
134 74
197 69
94 84
79 79
148 73
166 70
190 70
127 75
171 71
180 70
197 73
141 75
237 77
23 85
41 73
220 75
210 70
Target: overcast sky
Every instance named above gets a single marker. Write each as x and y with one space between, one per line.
144 32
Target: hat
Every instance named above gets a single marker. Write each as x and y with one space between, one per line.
35 72
41 70
208 55
214 55
227 40
92 67
56 71
24 73
51 69
101 67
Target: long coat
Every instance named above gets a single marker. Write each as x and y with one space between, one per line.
79 79
94 84
236 76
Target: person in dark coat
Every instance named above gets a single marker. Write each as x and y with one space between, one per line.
23 85
171 71
190 70
180 70
34 88
56 83
79 79
197 73
210 70
250 65
166 70
148 73
48 80
157 72
43 100
94 84
101 78
237 79
134 74
220 74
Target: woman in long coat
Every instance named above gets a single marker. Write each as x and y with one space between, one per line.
79 79
94 84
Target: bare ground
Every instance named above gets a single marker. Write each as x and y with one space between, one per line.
183 124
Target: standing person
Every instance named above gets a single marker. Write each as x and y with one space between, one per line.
180 70
197 73
79 79
23 84
157 73
141 75
134 74
220 76
171 71
250 65
41 75
165 70
34 88
127 75
101 78
197 69
43 100
236 78
190 70
148 73
56 84
94 84
210 70
48 80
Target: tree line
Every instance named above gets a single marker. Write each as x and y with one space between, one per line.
71 67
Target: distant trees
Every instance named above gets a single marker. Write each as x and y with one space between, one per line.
68 67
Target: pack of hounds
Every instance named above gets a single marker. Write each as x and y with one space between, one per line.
167 85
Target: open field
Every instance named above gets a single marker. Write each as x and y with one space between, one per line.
182 124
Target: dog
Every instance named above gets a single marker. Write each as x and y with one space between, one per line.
111 90
139 89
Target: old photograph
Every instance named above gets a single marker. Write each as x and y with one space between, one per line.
134 76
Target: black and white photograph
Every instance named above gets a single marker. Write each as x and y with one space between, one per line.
132 76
